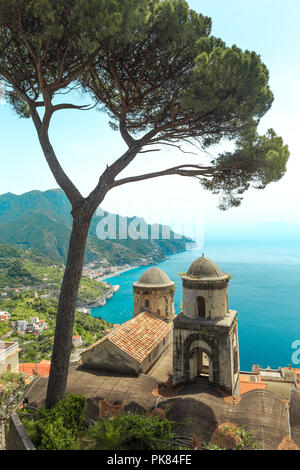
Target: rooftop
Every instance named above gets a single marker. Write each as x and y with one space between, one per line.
137 337
195 407
250 382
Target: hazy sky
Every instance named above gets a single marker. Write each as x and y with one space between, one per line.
85 144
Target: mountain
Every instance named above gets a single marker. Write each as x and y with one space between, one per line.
15 266
42 220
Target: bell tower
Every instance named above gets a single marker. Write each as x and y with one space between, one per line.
205 334
154 293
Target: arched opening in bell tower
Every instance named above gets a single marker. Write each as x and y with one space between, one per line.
200 365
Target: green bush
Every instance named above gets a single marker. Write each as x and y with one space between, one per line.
56 428
57 437
31 428
131 432
71 409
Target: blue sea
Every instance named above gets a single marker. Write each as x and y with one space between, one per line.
264 289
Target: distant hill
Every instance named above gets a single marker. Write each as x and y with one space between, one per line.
16 266
42 220
27 268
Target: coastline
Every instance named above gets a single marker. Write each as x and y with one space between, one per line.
154 263
117 273
87 307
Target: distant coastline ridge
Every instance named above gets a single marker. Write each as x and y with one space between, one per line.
47 215
85 307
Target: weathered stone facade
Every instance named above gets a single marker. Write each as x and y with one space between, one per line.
9 356
154 293
205 334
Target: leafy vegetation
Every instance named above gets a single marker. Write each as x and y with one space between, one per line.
29 268
56 428
231 436
35 348
63 427
10 376
4 328
128 431
12 387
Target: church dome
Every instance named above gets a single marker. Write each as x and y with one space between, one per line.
154 277
205 268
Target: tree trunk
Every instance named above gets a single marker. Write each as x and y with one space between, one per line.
66 309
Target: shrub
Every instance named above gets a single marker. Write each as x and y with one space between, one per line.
231 436
71 409
57 437
131 432
56 428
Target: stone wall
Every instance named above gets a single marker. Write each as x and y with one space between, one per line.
158 302
17 438
10 361
2 434
216 301
106 356
217 339
156 353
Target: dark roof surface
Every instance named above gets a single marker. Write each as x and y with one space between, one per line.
197 408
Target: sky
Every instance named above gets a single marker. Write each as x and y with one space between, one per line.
85 144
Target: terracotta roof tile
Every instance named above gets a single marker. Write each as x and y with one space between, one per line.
137 337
